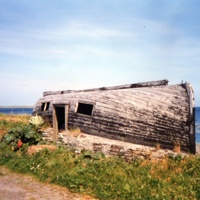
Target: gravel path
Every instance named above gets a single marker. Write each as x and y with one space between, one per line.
15 186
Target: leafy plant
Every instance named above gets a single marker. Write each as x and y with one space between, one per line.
36 121
10 121
19 135
23 133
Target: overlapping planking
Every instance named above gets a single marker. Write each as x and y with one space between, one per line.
142 113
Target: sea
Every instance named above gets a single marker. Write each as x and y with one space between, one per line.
197 124
30 110
16 110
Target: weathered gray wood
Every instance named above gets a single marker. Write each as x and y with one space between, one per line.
66 116
55 125
143 115
134 85
191 120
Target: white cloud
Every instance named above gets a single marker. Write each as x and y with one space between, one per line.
75 50
78 29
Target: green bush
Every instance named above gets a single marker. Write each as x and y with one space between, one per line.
23 133
26 134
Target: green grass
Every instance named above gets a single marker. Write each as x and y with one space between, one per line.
109 178
10 121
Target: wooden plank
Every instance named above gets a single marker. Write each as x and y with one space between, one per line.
191 119
147 114
55 125
66 116
120 87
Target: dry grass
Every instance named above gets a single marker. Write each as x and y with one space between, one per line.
35 148
74 132
177 148
15 118
10 121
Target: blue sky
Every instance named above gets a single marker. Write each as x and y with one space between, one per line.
76 44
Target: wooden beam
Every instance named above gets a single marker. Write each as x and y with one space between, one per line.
190 93
120 87
66 116
55 125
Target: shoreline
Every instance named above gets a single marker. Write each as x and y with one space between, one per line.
16 106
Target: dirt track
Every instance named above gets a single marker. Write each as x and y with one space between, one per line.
22 187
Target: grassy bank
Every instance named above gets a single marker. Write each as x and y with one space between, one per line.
109 178
10 121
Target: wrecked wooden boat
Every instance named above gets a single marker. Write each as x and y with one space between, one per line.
146 113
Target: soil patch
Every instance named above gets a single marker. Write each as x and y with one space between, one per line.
17 186
35 148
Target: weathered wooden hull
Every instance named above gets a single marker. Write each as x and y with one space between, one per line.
145 115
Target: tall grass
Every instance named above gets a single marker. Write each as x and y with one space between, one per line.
10 121
110 178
